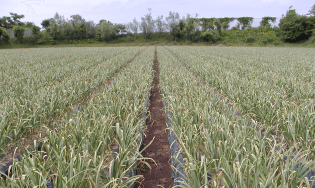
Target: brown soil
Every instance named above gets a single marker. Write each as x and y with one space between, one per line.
159 150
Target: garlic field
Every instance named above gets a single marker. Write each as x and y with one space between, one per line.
243 117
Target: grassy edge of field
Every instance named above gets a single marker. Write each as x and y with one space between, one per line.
146 42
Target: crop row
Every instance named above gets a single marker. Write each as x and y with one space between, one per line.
274 86
243 117
99 145
44 91
220 147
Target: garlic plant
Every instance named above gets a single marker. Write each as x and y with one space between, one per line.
37 85
97 146
222 149
275 86
263 137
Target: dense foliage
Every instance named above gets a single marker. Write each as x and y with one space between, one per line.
266 21
18 32
4 35
96 142
107 31
295 27
244 22
241 118
12 20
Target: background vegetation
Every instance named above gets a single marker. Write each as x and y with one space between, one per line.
293 28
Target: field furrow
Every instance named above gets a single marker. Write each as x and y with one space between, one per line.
99 117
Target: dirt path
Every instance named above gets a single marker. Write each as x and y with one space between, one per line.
159 150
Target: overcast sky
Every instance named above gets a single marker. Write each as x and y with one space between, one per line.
123 11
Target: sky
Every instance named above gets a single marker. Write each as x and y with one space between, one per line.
123 11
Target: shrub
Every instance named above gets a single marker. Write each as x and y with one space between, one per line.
250 39
312 39
129 39
244 22
296 27
4 35
277 31
277 42
268 37
19 32
35 30
43 37
212 36
52 41
31 39
266 21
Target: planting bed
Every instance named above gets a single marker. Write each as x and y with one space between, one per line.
215 117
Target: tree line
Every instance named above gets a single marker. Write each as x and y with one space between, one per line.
293 27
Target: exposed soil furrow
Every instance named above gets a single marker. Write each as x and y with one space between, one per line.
159 150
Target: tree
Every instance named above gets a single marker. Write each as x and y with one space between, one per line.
16 18
45 23
35 30
18 32
173 25
4 35
147 25
78 24
54 29
160 24
76 28
207 24
9 21
120 28
218 26
296 27
190 28
59 28
265 22
244 22
172 21
6 22
108 31
133 26
90 30
77 19
311 12
225 22
29 24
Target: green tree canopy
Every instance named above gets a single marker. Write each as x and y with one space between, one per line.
244 22
4 35
311 12
9 21
18 32
45 23
295 27
266 21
